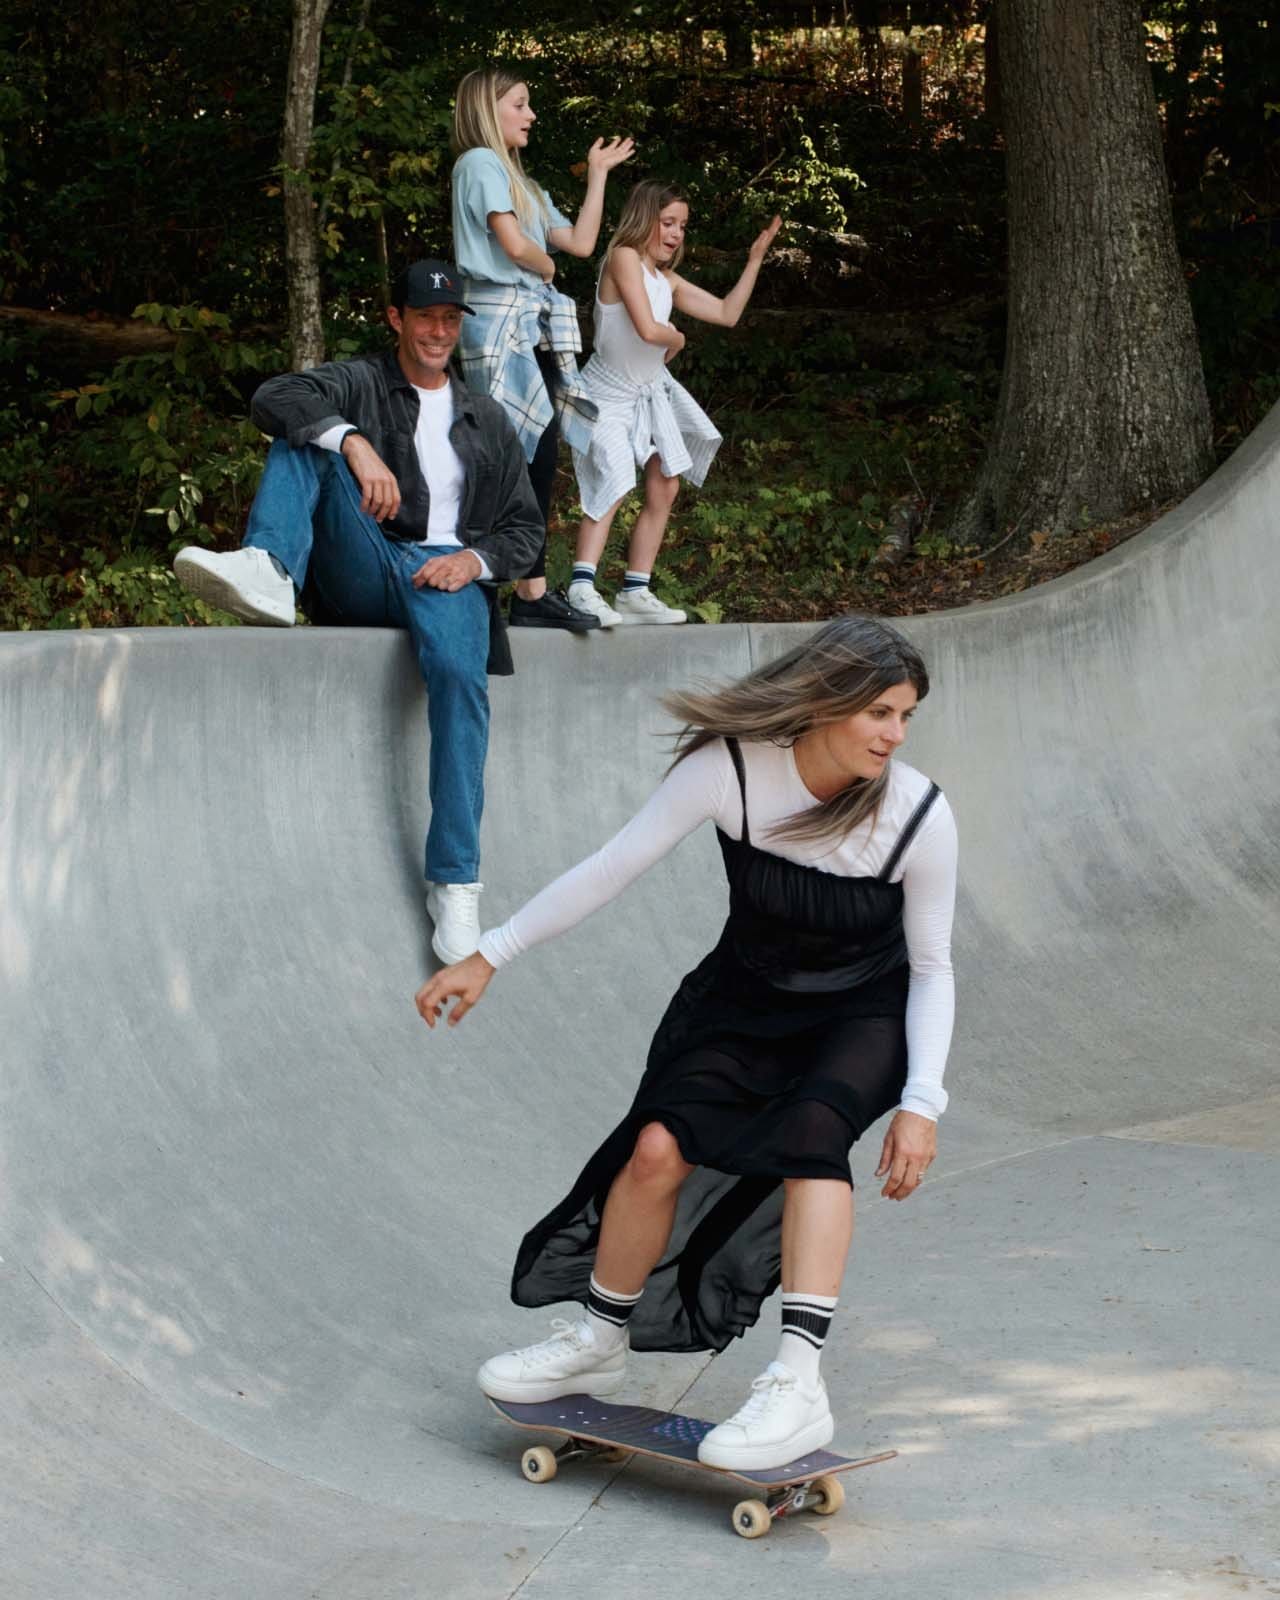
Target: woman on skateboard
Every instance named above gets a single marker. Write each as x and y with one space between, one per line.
827 1002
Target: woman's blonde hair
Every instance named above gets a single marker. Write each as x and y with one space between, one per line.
841 669
476 127
641 209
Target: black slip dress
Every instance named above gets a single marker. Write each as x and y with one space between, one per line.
776 1053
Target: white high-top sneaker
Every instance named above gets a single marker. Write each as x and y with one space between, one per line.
586 597
243 582
455 910
781 1421
569 1362
642 605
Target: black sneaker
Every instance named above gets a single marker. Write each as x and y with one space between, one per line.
551 611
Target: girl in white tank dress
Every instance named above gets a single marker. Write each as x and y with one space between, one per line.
646 419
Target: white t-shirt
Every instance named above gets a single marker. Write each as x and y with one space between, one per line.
439 462
705 788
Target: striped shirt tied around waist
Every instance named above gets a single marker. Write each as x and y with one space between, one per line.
497 354
635 421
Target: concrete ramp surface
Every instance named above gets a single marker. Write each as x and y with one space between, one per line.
257 1223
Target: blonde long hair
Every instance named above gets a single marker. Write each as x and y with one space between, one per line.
841 669
641 209
476 127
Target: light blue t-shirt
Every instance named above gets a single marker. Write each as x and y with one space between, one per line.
481 185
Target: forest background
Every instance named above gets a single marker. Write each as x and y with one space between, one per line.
143 285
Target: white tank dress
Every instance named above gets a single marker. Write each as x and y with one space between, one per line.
643 411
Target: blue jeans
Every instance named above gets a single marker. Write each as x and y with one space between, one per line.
307 514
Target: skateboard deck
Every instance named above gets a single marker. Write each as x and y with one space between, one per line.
601 1428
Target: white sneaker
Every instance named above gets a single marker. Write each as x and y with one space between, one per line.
586 597
569 1362
243 582
455 910
642 605
781 1421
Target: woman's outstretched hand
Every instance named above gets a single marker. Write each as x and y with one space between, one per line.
604 157
464 983
909 1148
760 246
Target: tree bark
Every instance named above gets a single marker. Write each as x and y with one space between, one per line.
1102 405
991 104
739 47
302 252
913 88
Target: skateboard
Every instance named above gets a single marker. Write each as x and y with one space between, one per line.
600 1430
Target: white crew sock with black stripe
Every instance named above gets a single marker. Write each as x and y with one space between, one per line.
805 1320
608 1313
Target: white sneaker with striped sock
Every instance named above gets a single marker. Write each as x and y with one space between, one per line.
782 1420
586 597
569 1362
642 605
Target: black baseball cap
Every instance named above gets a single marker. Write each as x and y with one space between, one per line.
429 283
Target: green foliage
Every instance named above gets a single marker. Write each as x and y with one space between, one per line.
139 155
801 495
158 446
137 590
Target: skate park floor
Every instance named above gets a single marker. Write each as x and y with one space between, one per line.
257 1223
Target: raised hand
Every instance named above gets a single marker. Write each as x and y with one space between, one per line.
760 247
604 157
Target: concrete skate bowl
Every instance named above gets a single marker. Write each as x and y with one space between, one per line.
256 1223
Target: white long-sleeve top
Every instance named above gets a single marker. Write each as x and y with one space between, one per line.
705 788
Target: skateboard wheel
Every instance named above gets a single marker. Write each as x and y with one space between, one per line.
612 1456
539 1464
751 1519
829 1492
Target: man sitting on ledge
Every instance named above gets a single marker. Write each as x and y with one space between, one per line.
389 491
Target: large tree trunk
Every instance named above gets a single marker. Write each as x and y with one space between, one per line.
1102 406
302 253
739 47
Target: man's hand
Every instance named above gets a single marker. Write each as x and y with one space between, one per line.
909 1148
449 573
379 491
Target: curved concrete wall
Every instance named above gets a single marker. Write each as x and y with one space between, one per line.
256 1223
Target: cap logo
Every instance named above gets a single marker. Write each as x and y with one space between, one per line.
437 278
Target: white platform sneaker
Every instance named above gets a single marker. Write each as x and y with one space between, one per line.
455 910
243 582
781 1421
569 1362
642 605
586 597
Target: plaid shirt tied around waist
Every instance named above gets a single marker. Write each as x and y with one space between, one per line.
498 357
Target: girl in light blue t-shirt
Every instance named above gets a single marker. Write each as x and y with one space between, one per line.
520 346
